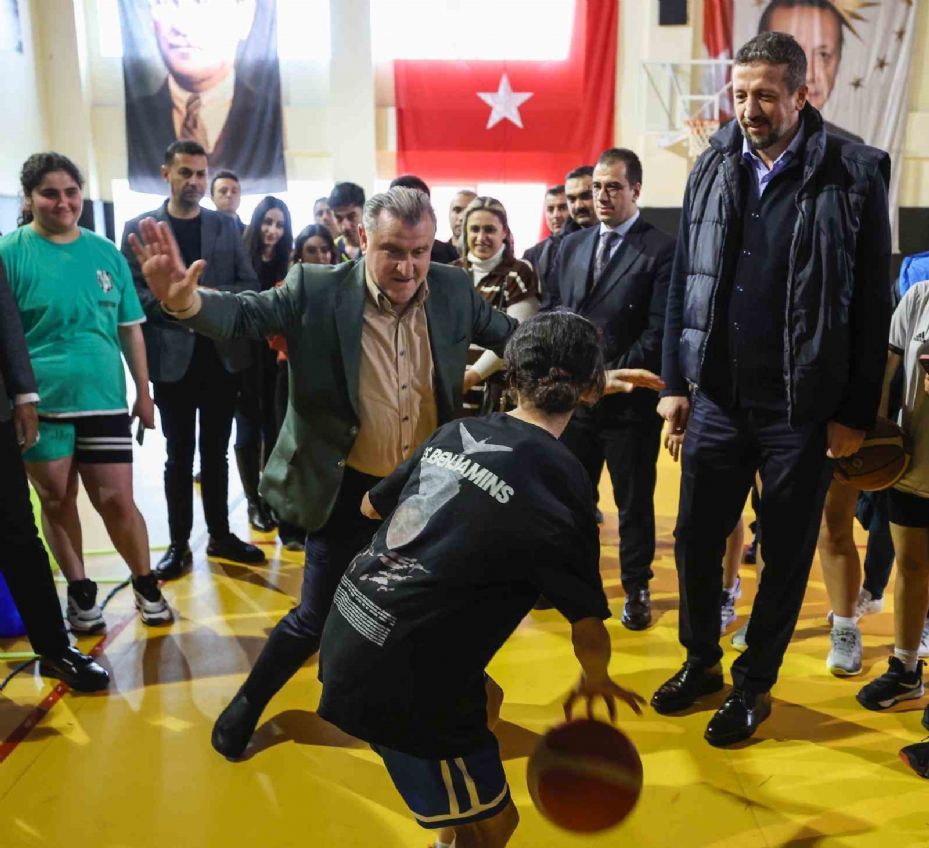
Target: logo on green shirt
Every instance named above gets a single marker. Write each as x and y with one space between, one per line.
105 281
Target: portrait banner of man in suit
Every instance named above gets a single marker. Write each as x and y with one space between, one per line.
205 70
858 56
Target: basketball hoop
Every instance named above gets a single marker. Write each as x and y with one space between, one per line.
699 131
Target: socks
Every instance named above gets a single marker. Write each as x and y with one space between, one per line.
909 658
840 622
442 844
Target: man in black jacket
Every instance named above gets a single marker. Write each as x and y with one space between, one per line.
778 316
616 275
193 375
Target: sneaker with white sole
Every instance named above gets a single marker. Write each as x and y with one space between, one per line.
151 604
844 658
865 605
727 613
738 638
84 615
924 641
894 685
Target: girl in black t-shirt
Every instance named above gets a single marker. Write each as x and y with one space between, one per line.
486 515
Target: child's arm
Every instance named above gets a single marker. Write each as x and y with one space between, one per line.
592 649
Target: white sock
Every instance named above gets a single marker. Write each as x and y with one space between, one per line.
439 844
910 659
840 622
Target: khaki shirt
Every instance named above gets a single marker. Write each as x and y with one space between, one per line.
396 397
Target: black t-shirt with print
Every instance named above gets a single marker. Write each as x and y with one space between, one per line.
487 515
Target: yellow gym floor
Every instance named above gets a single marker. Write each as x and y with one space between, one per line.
133 767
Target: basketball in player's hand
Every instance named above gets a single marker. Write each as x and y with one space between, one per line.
585 776
881 461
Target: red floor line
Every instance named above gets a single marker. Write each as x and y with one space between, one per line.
26 726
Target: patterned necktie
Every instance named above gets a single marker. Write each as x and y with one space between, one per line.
604 249
192 128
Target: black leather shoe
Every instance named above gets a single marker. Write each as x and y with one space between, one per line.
176 560
231 547
738 718
234 727
917 758
637 613
78 670
690 683
261 517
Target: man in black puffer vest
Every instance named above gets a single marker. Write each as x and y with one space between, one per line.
777 321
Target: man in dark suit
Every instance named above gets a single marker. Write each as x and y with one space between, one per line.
226 194
205 98
24 563
541 256
616 275
192 374
378 349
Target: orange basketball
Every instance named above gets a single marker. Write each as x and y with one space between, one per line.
881 460
585 776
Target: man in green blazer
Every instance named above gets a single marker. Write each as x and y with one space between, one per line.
378 351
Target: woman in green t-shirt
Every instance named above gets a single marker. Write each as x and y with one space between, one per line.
80 312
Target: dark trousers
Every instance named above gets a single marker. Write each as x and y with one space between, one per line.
256 424
210 390
630 449
329 551
23 560
879 556
722 451
286 530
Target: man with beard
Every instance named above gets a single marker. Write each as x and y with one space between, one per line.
193 375
778 315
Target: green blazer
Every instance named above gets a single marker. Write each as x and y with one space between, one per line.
320 309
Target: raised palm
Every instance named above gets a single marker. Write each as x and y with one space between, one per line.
163 267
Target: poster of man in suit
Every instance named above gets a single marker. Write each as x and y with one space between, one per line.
858 56
205 70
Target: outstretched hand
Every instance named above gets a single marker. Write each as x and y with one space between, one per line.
627 379
589 690
168 277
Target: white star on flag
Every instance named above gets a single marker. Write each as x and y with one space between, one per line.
504 103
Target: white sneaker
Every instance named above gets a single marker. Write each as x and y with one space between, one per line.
84 615
844 658
924 642
865 605
151 604
738 638
727 613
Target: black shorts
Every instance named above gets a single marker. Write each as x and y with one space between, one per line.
908 510
98 439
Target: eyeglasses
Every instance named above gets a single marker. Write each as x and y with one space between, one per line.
611 189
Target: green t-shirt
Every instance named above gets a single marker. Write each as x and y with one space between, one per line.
72 297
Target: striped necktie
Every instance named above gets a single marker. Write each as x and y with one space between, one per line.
604 249
192 128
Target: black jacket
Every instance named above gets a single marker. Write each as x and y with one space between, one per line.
838 290
627 305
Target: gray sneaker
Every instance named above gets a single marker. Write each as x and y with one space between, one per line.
727 613
865 605
844 658
151 604
738 638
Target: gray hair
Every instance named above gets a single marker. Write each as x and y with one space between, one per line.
776 48
408 205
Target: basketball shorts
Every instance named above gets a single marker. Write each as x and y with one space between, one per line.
88 438
908 510
449 793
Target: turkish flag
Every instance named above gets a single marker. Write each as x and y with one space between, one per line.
511 121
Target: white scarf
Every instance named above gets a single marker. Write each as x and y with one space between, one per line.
480 268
